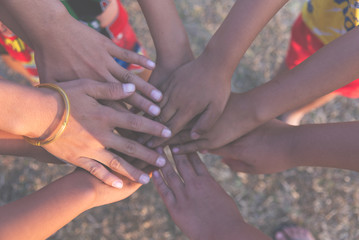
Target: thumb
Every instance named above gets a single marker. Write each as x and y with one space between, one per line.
110 90
204 123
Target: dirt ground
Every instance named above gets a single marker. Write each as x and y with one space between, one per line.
324 200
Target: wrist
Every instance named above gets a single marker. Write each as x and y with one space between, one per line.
179 54
43 122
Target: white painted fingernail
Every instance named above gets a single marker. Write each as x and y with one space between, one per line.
154 110
151 64
156 95
194 135
166 133
144 179
128 87
117 184
161 161
175 150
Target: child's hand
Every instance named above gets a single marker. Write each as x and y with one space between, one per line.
238 118
193 91
198 205
264 150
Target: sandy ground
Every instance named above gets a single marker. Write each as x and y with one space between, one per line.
324 200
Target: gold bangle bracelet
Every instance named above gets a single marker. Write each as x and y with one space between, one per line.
65 118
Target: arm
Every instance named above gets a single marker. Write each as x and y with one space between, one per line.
65 49
15 145
201 88
276 147
89 135
201 209
328 69
42 213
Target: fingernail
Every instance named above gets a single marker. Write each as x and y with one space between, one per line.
149 144
279 236
194 135
156 95
128 87
151 64
166 133
161 161
156 174
144 179
117 184
154 110
175 150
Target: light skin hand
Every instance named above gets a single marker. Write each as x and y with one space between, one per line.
90 133
70 50
198 205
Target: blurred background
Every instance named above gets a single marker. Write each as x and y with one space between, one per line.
326 201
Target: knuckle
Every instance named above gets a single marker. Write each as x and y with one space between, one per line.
125 55
172 175
114 163
127 76
114 90
95 169
130 147
135 122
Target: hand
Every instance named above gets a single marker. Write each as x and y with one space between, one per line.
80 52
90 133
104 194
238 118
198 205
192 91
263 151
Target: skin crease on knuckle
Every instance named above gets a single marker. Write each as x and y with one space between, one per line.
135 122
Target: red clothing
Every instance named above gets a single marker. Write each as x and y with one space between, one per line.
302 45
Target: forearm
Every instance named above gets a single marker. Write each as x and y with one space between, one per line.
330 68
324 145
28 111
168 33
34 21
42 213
245 20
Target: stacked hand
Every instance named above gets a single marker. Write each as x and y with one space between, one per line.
90 133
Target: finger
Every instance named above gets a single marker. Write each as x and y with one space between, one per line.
99 171
121 166
141 85
165 192
181 138
237 165
197 164
204 123
136 150
137 123
184 168
225 151
143 104
167 113
178 121
109 91
190 147
116 105
130 57
173 180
